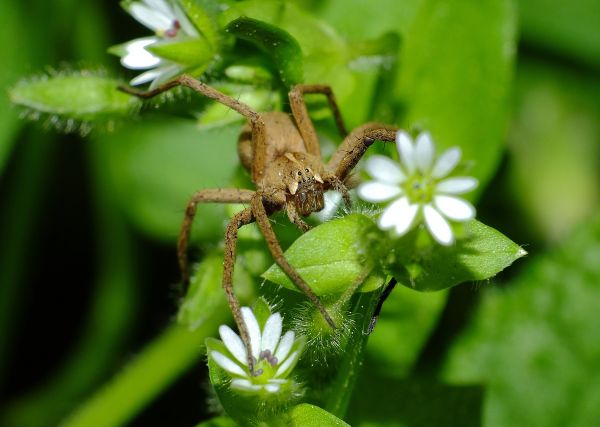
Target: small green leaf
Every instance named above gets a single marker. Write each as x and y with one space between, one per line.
306 415
192 52
203 15
71 99
221 421
481 253
332 256
275 42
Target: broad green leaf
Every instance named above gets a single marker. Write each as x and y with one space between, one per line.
332 256
306 415
157 166
203 15
535 340
454 78
275 42
380 401
406 322
564 27
479 254
74 100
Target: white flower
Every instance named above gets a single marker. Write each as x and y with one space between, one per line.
170 24
420 188
274 355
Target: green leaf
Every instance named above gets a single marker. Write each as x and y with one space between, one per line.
454 78
191 52
481 253
332 256
312 416
277 43
203 14
74 100
535 340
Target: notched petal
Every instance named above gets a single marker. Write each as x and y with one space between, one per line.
384 169
378 191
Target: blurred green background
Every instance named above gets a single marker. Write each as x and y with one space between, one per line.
88 225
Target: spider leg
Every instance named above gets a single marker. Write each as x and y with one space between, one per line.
260 215
258 125
355 145
300 113
240 219
203 196
295 217
384 295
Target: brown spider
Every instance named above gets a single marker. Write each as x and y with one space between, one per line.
283 156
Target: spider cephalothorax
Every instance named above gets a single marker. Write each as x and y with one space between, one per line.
283 156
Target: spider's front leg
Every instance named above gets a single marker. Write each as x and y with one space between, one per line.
355 145
262 219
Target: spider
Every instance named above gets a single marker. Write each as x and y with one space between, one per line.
283 156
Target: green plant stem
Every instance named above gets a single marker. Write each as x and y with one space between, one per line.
343 385
157 366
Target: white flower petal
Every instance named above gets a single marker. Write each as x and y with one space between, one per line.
233 343
287 363
161 6
376 191
271 333
285 345
253 330
227 364
272 388
332 202
438 226
186 26
424 152
454 208
145 77
457 185
137 57
243 384
153 19
399 215
446 162
406 151
384 169
166 73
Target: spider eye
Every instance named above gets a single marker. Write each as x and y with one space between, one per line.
307 170
299 173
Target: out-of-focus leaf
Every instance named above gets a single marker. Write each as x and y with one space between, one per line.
306 415
455 76
413 403
277 43
555 155
481 253
566 27
192 51
203 15
158 164
332 256
406 321
73 101
535 343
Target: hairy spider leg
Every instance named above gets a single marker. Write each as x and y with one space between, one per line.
259 148
356 144
302 119
262 219
219 195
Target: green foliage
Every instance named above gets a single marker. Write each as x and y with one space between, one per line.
74 100
480 253
534 341
332 256
457 66
278 44
313 416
